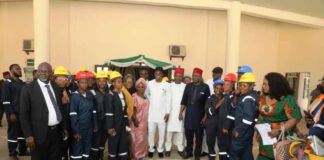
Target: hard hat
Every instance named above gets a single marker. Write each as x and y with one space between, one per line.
109 72
102 74
165 79
230 77
83 69
245 69
91 74
82 75
218 81
60 70
247 77
69 76
114 75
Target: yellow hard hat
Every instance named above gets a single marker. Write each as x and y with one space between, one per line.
83 68
165 79
114 75
247 77
72 73
60 70
101 74
109 72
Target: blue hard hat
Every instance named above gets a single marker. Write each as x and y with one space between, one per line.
245 69
69 76
218 81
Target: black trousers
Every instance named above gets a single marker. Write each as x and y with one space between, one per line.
65 145
190 134
99 140
224 142
1 112
211 134
50 148
118 146
15 137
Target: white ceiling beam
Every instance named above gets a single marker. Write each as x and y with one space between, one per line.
282 16
194 4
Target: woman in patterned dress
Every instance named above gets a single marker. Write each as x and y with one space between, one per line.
277 107
139 121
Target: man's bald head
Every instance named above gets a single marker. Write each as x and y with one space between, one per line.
44 72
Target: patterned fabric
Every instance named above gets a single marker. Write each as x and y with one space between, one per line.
275 114
139 134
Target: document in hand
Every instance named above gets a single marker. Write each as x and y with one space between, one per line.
263 130
317 146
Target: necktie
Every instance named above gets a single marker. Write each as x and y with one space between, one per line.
57 111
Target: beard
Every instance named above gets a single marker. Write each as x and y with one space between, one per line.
17 75
322 89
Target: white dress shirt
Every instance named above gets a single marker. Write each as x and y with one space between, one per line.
210 84
52 119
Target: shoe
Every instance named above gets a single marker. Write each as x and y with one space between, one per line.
161 155
167 153
13 158
180 153
197 158
150 154
203 154
26 153
186 155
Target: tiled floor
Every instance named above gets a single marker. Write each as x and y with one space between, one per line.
174 155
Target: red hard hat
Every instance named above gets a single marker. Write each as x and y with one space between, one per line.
230 77
81 75
91 74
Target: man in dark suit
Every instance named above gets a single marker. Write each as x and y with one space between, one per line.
42 115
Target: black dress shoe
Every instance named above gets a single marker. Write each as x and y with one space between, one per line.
26 153
203 154
180 153
161 155
150 154
167 153
197 158
186 155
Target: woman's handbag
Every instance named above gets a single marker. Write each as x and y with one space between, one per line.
281 148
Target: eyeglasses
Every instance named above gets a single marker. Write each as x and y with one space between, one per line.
62 78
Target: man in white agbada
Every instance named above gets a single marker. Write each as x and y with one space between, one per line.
175 126
159 95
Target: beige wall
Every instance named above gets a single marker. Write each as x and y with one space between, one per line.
88 33
15 25
259 46
302 50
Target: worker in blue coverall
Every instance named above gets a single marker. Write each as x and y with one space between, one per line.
83 118
245 113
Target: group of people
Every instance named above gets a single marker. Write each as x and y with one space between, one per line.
61 115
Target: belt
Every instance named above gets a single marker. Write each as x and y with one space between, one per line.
52 127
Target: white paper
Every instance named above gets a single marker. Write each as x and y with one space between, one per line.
264 130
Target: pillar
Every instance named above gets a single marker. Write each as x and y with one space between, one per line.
233 37
41 31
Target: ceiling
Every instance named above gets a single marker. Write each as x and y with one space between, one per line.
313 8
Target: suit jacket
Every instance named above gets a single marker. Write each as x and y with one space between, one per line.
34 112
116 116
